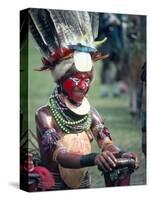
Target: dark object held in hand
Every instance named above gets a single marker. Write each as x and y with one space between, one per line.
120 176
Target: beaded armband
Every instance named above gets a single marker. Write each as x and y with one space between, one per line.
49 140
98 127
102 134
105 142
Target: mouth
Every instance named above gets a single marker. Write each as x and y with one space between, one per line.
79 92
79 96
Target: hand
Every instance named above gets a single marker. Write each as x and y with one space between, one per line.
105 161
131 155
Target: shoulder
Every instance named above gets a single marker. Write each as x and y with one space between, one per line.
43 117
43 111
96 116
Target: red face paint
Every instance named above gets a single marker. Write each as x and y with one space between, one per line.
77 86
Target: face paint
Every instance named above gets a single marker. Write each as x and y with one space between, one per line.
77 86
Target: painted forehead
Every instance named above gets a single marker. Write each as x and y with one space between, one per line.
83 74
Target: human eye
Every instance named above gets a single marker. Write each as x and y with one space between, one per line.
87 80
76 80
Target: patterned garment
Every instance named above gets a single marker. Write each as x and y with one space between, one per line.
49 140
60 184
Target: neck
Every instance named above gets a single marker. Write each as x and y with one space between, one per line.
68 117
80 109
62 97
74 103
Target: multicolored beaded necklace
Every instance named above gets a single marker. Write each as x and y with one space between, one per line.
67 120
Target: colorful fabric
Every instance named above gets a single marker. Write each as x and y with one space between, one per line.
47 181
49 140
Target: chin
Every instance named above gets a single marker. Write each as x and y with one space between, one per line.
79 101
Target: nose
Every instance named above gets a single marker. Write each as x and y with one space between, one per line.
82 85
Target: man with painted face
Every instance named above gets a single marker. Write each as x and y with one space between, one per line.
67 125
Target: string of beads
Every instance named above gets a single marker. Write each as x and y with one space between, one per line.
68 126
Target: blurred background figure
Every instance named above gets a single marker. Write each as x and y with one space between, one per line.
142 106
126 46
135 57
111 27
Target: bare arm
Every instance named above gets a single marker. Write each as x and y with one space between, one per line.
102 133
50 140
109 150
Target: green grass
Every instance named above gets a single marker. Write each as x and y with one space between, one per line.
125 131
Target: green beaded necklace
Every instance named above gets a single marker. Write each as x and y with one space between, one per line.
65 125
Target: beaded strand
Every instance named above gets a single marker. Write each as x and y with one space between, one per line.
68 126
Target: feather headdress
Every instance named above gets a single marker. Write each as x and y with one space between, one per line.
65 39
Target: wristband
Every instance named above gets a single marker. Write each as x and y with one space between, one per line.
88 160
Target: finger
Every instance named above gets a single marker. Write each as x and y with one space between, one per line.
112 157
109 159
128 155
105 163
134 156
100 163
136 162
101 167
